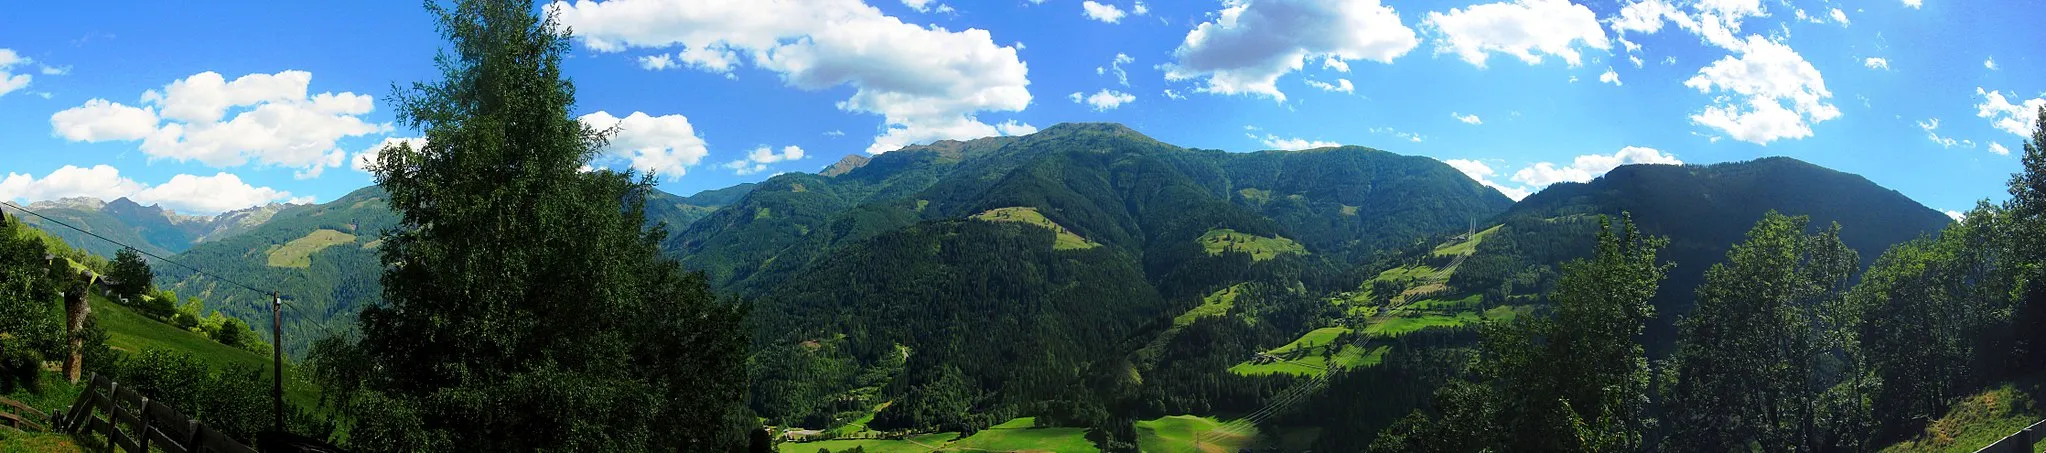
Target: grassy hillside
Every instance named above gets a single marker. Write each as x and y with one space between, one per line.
1179 433
1979 420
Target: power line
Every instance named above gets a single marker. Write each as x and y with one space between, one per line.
137 250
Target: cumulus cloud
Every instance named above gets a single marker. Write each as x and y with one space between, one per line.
9 81
183 193
1173 95
1998 148
1840 16
758 160
656 62
1341 85
1589 166
1471 119
1104 100
265 118
1251 43
666 145
2013 118
1483 174
1101 12
1610 77
1768 93
1877 63
928 83
1292 144
1012 127
362 160
1526 29
1914 4
1989 63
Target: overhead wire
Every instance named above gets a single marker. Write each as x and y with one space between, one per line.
137 250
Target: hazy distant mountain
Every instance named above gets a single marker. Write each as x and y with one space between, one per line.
149 228
323 258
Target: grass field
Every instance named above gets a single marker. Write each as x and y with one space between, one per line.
1468 246
1394 327
1976 422
299 252
1216 304
916 444
133 332
1014 435
1260 248
1067 240
1415 272
1310 362
1180 433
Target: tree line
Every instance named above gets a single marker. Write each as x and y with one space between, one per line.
1783 350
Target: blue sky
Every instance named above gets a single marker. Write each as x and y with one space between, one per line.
209 106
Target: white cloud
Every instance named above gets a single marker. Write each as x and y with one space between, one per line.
1525 29
1931 127
1011 127
1956 215
1840 16
1589 166
1292 144
1914 4
100 181
1341 85
1173 95
921 6
1336 64
1998 148
1140 9
656 62
55 70
1765 77
1645 16
1101 12
184 193
1121 76
927 83
666 145
211 194
2017 119
9 81
1877 63
1482 173
1610 77
1716 21
1989 63
1471 119
101 120
758 160
273 122
1104 100
1637 61
362 160
1251 43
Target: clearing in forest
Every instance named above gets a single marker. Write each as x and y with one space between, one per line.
1190 433
299 252
1260 248
1304 356
1067 240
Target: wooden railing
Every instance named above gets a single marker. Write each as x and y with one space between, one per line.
2021 442
19 416
134 424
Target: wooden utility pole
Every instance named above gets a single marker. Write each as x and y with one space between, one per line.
277 357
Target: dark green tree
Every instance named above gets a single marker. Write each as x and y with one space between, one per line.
1574 381
525 304
30 328
1748 366
2027 231
130 276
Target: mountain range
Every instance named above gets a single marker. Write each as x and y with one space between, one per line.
1080 274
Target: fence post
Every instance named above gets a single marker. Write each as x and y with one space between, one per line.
192 433
2026 438
142 431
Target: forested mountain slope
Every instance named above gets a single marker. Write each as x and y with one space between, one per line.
1703 209
965 282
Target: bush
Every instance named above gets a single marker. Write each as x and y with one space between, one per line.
20 367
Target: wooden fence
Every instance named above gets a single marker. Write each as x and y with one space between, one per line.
19 416
2021 442
134 424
